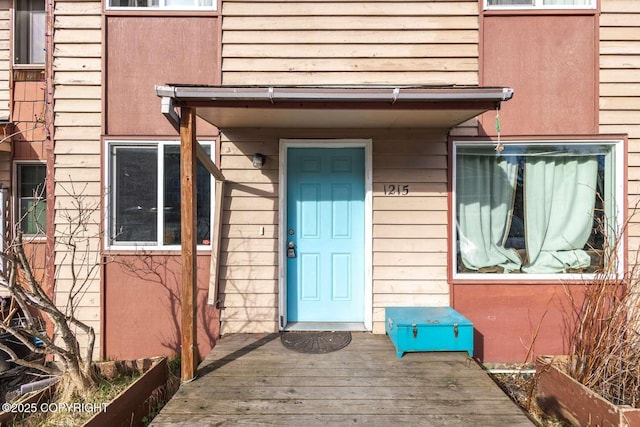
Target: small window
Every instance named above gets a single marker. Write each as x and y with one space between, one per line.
536 208
540 4
145 195
164 4
31 209
29 32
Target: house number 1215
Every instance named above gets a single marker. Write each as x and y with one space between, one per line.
396 189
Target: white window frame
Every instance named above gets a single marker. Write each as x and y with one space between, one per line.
620 214
162 5
539 5
17 198
109 198
36 18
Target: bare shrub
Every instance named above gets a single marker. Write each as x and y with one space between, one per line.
70 342
604 346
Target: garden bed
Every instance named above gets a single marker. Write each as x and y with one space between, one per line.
562 396
127 394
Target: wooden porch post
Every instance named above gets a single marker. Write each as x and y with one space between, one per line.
188 191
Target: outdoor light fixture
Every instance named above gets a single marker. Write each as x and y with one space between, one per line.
258 160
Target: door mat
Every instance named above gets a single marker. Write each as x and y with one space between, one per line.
315 342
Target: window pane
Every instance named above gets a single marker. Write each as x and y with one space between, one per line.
204 203
567 2
179 3
541 3
172 198
166 4
32 213
509 2
533 208
135 194
172 195
36 47
135 3
29 40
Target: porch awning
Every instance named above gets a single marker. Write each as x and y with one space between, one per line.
334 106
292 107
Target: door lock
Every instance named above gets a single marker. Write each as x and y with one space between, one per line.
291 250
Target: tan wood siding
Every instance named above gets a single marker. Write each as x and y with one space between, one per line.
77 109
5 60
409 232
249 258
620 92
355 42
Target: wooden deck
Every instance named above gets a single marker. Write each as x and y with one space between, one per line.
254 380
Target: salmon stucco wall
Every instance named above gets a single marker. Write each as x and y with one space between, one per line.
514 323
551 62
142 306
172 50
142 303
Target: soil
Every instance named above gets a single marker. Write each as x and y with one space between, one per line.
521 388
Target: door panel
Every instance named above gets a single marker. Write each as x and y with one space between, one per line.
325 223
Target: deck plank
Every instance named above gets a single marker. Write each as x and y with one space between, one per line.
252 379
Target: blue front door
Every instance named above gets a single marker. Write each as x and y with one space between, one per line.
325 234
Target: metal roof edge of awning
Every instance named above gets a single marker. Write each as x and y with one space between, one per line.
341 106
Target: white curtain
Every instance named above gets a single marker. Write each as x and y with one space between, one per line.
545 2
567 2
485 191
559 198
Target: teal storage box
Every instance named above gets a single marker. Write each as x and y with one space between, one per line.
428 329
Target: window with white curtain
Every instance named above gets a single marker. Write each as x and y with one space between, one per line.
540 4
536 207
144 195
163 4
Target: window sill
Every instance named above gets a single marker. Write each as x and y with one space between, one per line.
113 251
28 66
161 12
515 279
34 238
539 12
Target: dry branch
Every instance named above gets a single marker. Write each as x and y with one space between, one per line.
605 344
34 306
